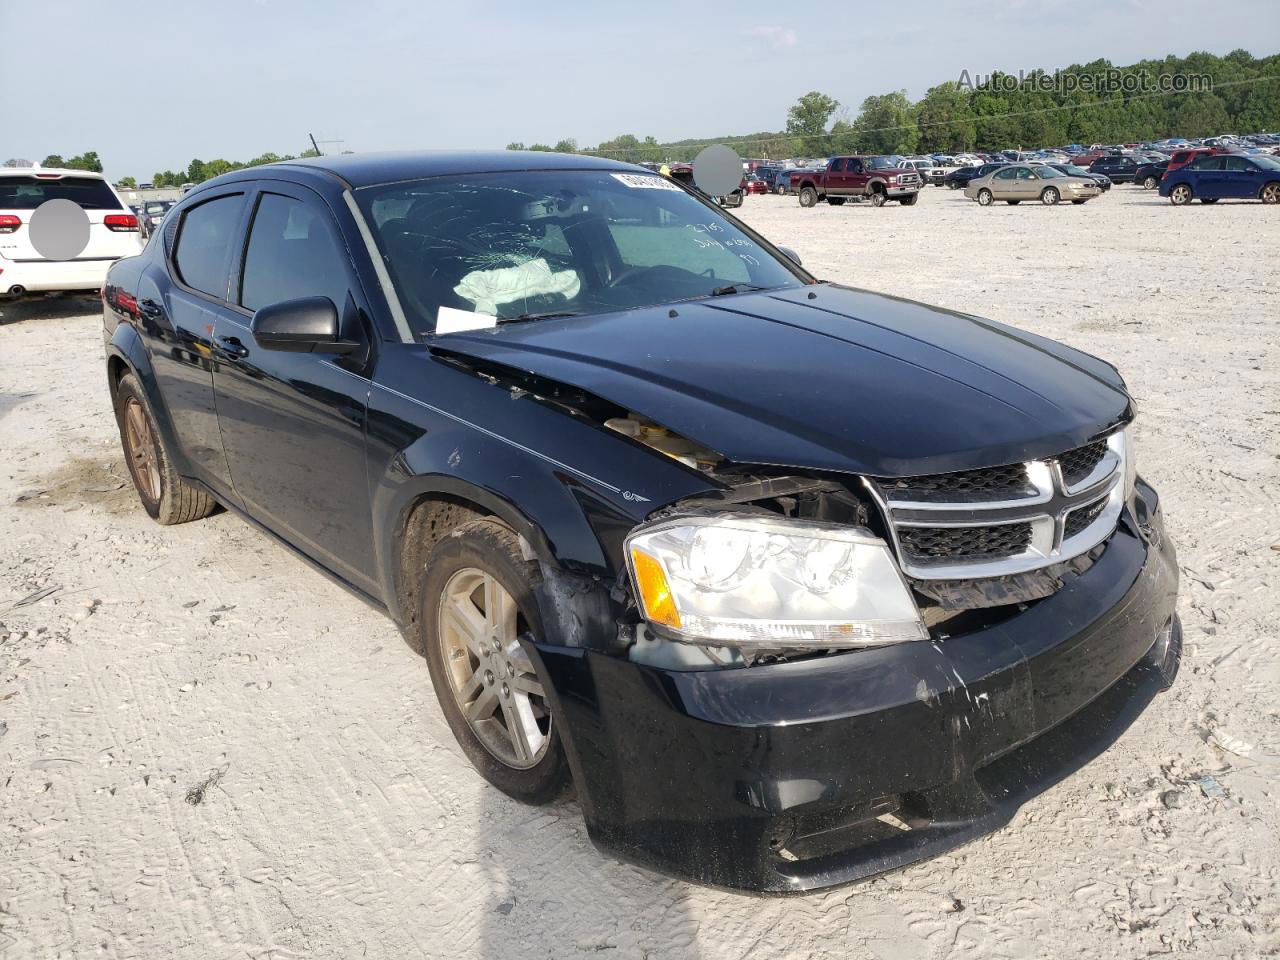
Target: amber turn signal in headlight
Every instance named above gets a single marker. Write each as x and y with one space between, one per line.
746 579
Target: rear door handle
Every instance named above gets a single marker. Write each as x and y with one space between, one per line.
232 348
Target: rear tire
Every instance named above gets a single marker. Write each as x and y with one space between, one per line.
985 197
1270 193
808 196
780 191
1180 195
477 665
1150 183
1050 196
166 497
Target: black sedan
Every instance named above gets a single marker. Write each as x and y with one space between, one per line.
959 178
571 426
1149 175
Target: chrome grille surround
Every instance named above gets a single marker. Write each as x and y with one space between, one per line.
1053 500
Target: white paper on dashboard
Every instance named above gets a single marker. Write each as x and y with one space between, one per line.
453 320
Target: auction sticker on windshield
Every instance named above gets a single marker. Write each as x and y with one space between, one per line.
641 182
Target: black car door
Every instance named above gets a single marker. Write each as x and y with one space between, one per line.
179 317
293 424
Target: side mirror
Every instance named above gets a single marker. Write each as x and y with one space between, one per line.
305 325
791 255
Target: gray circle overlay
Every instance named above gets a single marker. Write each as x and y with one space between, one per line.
59 230
717 170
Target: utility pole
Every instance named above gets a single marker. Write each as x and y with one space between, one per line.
314 145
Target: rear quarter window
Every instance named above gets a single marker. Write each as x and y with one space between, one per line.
28 192
204 242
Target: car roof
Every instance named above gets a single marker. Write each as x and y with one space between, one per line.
49 171
365 169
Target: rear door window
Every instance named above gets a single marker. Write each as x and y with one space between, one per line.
294 251
28 192
204 243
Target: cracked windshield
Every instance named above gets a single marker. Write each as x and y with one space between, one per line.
466 253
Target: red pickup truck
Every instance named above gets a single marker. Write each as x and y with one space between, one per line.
877 178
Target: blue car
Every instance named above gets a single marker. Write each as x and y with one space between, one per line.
1230 176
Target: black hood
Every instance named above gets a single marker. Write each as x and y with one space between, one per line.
826 378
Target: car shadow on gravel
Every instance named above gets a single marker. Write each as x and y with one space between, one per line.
47 308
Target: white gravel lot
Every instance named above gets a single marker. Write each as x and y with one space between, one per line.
209 751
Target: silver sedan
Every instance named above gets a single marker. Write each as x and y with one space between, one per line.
1018 182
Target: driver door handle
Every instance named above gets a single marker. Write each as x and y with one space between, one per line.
232 348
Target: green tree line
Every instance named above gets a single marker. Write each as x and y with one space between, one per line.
1241 95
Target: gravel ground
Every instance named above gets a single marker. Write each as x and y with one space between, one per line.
207 750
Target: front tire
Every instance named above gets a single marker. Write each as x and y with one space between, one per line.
909 200
808 196
166 497
477 597
985 197
878 198
1050 196
1180 195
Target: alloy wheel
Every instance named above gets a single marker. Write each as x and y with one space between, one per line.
1181 194
492 678
144 455
1271 193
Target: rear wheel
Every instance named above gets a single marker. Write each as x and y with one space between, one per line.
166 497
1050 196
477 598
985 198
1150 183
909 200
808 196
1270 193
1180 195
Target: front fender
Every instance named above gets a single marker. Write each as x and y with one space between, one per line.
573 490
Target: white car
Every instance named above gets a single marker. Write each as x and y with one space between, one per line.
113 230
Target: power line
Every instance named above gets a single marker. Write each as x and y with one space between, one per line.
788 138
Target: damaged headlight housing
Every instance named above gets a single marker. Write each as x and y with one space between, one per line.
754 580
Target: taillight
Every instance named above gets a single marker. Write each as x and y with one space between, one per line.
120 222
9 223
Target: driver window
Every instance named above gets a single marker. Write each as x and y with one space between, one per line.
837 166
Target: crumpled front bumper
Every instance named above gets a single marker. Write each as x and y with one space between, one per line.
778 778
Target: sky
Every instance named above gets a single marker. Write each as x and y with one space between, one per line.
150 85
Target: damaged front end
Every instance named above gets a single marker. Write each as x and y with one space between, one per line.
785 686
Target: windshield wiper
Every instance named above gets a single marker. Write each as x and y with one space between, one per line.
553 315
737 288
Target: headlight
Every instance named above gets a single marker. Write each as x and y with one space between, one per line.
770 582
